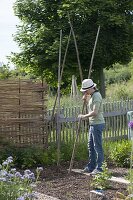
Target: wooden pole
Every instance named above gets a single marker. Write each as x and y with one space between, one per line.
79 123
76 47
74 88
77 52
63 64
58 111
93 53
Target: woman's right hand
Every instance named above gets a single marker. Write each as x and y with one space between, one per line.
84 98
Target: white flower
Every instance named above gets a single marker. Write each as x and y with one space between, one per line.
13 170
27 171
40 168
3 179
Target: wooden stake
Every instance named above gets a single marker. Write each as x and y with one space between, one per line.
93 53
58 111
63 64
76 47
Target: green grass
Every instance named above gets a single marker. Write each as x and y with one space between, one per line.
119 90
65 101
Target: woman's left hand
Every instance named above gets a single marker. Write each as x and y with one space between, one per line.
80 116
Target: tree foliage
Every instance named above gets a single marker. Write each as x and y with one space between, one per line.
5 72
42 20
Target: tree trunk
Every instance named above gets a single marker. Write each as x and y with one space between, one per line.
99 78
102 82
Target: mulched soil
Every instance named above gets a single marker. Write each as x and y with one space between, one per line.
56 182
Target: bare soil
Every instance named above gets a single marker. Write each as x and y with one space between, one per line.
58 183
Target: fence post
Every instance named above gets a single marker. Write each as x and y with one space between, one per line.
130 124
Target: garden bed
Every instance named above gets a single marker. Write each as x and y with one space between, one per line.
56 182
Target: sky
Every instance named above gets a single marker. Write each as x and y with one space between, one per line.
8 22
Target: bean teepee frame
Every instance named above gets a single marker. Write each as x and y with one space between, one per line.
60 73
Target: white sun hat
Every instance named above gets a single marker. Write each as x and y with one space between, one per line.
87 84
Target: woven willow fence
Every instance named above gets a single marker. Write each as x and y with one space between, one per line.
22 113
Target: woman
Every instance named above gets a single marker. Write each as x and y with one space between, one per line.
96 126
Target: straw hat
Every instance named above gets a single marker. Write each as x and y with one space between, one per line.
87 84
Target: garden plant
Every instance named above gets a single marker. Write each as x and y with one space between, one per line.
101 180
15 185
121 196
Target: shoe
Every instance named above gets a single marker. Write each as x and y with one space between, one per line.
87 170
95 171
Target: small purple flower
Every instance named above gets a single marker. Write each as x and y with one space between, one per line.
21 198
130 124
10 159
5 163
26 176
32 176
33 195
17 174
3 173
10 175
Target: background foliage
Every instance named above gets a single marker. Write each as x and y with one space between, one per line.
38 36
121 86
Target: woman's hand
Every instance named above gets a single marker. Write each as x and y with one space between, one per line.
85 97
80 116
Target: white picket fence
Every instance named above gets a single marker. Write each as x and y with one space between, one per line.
66 124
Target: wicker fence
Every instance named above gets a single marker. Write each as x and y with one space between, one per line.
115 114
22 111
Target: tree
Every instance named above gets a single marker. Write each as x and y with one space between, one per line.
38 35
5 72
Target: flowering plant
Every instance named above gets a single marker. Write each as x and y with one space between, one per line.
130 124
17 186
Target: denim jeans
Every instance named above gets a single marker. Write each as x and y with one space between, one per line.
96 156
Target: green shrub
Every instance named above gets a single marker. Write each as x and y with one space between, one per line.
31 157
117 74
66 151
116 152
118 77
123 76
120 153
81 151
